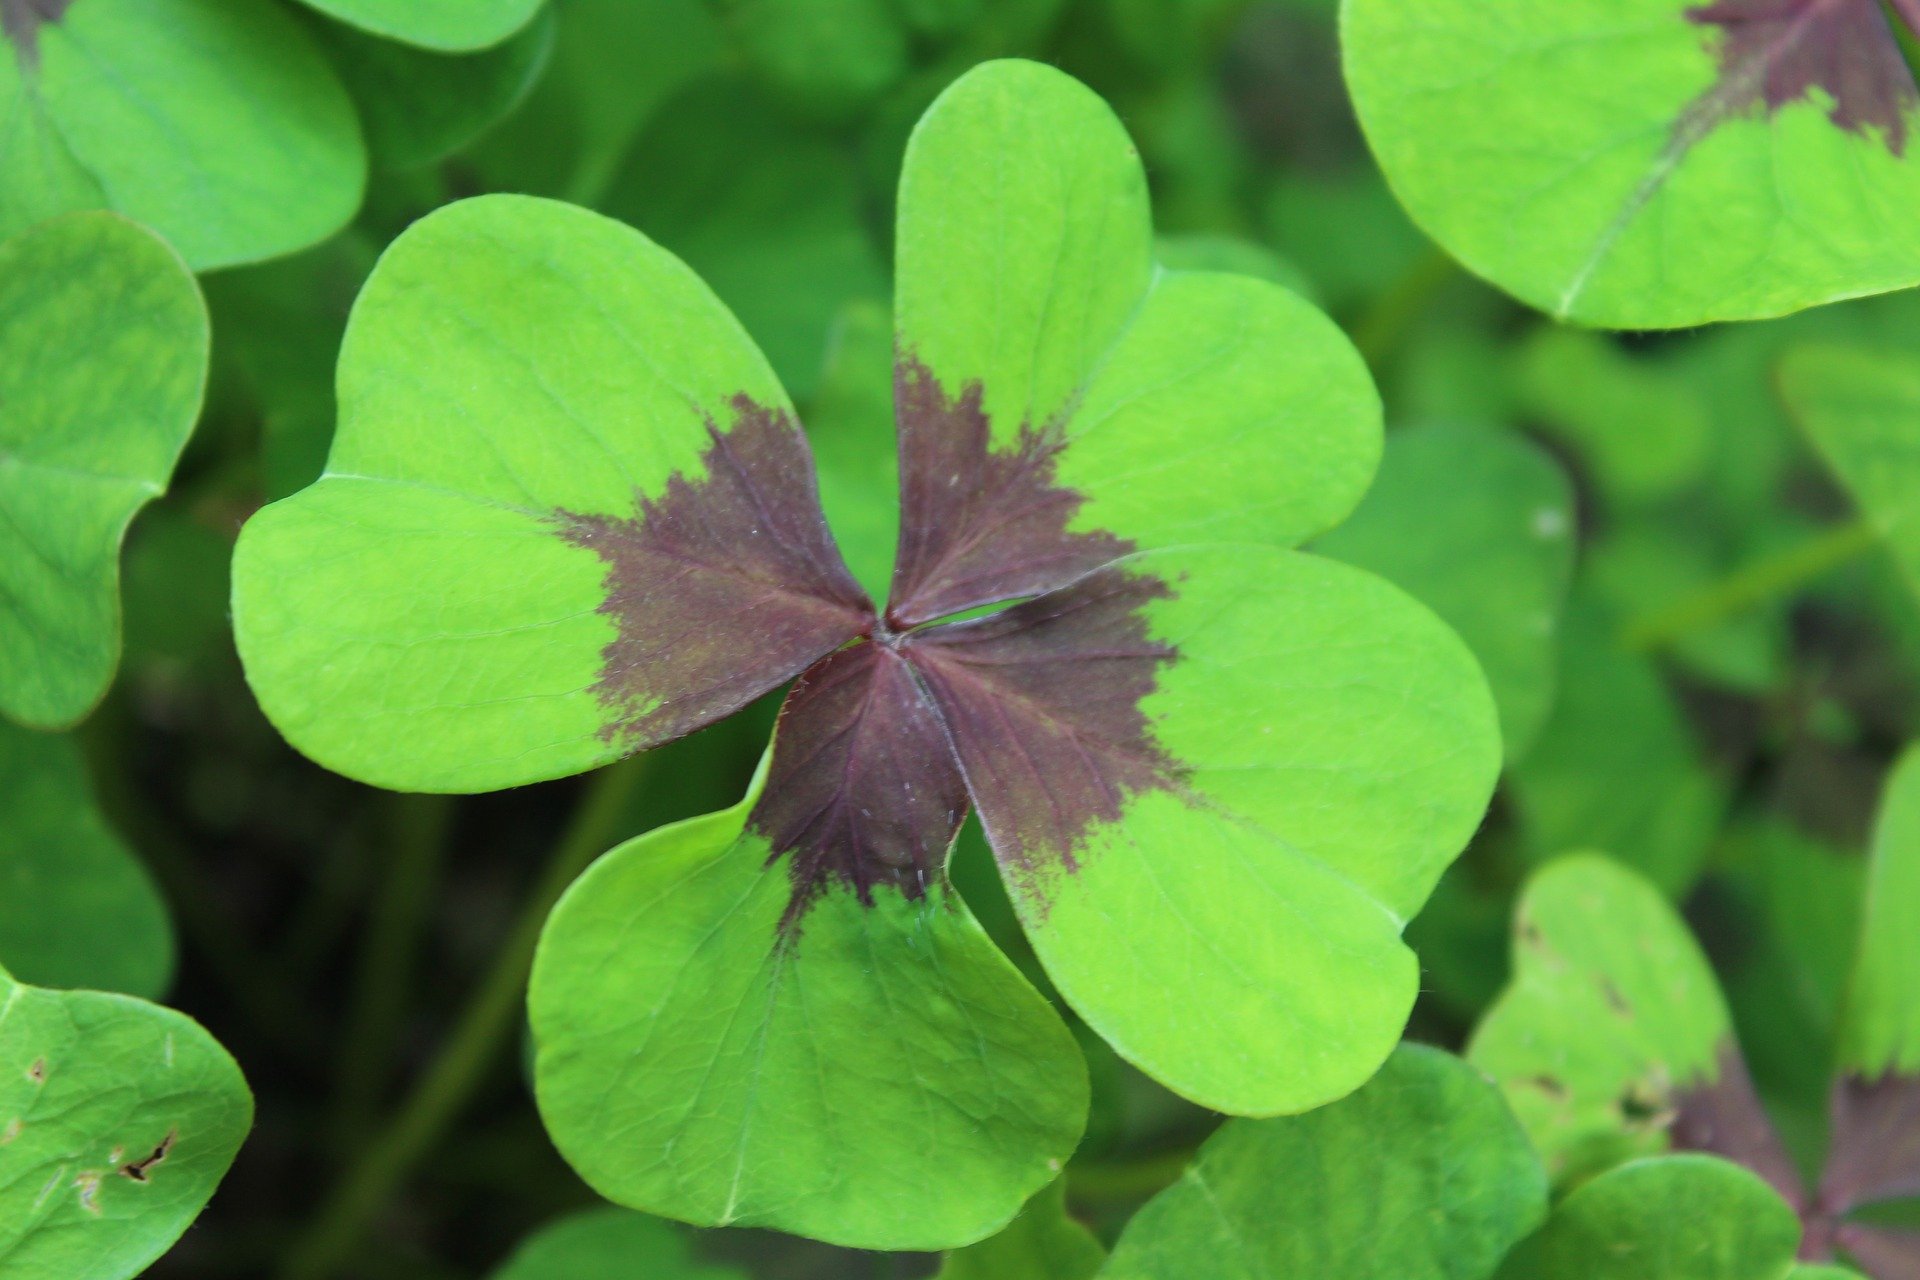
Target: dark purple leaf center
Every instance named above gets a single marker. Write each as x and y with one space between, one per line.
725 586
1774 52
1873 1156
21 21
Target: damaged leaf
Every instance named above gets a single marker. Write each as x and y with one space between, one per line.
117 1120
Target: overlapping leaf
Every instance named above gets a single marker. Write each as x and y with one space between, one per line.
117 1121
216 122
1420 1175
451 26
76 908
1043 1243
596 1244
1670 162
103 358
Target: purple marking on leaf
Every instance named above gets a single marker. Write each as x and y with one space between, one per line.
1043 704
978 526
1774 52
1875 1150
1885 1253
21 20
863 788
722 587
1724 1117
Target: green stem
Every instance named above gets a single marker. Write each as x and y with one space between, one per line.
1380 329
1776 575
482 1031
384 980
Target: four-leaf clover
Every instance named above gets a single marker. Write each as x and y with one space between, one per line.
569 515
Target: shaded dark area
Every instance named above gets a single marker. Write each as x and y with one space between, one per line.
20 22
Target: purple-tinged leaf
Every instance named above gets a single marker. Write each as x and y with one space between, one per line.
1723 1116
863 789
722 587
20 22
1875 1150
1043 704
978 525
1774 52
1886 1253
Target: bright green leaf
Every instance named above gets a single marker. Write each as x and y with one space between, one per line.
117 1120
1631 164
1611 1011
76 908
216 122
501 366
850 426
1674 1218
103 359
1421 1175
881 1078
1478 525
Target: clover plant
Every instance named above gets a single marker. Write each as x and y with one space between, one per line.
1614 1043
1702 161
569 515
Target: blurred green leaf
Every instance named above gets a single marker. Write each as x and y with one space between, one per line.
608 1244
1478 525
1420 1175
76 908
103 362
1043 1243
217 122
450 26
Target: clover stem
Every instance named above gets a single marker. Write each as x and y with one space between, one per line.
418 825
1765 579
483 1030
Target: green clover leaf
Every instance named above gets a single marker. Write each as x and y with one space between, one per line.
597 1243
76 908
117 1121
216 122
1420 1175
448 26
1613 1043
1725 160
1207 763
103 359
1673 1218
1043 1243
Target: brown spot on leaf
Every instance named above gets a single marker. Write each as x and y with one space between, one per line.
1875 1150
139 1170
978 526
12 1132
1724 1117
1616 999
1775 52
37 1072
21 20
722 587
